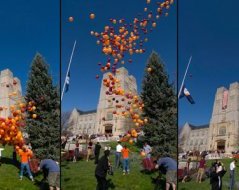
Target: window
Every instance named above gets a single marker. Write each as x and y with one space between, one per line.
109 116
222 131
201 143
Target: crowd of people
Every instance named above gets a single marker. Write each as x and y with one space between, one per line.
122 155
215 173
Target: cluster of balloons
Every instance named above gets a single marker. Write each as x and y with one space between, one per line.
11 127
120 39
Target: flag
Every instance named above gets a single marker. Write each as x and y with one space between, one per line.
186 93
67 82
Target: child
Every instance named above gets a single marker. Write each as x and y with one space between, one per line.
25 155
125 154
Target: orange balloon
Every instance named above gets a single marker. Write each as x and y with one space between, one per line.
71 19
92 16
142 153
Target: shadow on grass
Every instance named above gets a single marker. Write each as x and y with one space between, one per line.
9 161
110 185
67 179
159 183
42 185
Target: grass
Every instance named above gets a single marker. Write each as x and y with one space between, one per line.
80 175
206 184
9 174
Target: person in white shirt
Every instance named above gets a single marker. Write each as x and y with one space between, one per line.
232 173
147 150
118 154
1 149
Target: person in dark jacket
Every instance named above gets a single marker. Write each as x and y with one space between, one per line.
214 179
101 171
97 152
220 172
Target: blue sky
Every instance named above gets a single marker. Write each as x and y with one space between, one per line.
84 88
209 32
28 27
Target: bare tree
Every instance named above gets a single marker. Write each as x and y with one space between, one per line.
64 120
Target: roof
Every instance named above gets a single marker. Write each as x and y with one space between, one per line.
199 126
86 112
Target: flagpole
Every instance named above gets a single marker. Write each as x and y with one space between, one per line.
184 77
68 69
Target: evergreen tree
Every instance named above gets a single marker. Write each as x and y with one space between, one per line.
44 130
160 108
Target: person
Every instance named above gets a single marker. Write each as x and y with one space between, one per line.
220 170
76 152
53 171
29 146
147 150
201 169
170 165
89 150
64 142
186 170
232 173
14 156
118 154
125 154
101 171
1 149
214 180
25 155
97 152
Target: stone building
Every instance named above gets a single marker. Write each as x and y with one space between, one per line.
194 137
223 131
91 122
10 91
82 122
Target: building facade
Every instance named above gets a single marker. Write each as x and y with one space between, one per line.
103 121
82 122
223 131
194 137
10 92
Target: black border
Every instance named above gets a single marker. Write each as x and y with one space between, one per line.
177 65
60 83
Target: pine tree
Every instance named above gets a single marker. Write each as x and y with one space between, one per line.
43 131
160 108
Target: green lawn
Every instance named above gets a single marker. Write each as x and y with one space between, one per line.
9 175
80 175
206 184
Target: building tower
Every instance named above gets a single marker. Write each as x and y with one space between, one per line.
224 123
114 124
10 92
